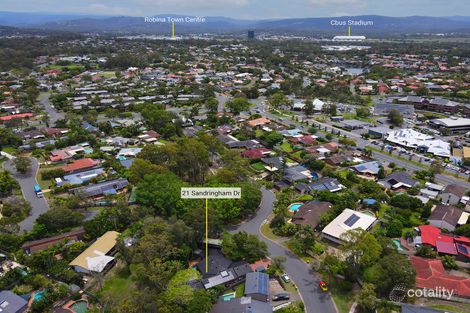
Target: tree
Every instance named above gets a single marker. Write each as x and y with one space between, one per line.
463 230
362 112
381 174
277 265
60 217
8 138
422 91
7 183
161 192
395 117
278 100
309 108
22 164
243 246
360 248
449 262
391 270
238 105
437 167
366 299
273 138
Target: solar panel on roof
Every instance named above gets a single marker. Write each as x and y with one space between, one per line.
351 220
462 249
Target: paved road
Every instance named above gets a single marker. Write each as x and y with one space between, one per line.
27 182
54 115
300 273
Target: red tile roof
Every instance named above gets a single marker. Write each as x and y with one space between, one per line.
258 122
255 153
80 165
430 273
10 117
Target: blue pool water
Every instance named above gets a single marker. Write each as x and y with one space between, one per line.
398 244
38 295
295 207
229 296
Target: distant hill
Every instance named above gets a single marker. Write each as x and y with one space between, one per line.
19 19
314 26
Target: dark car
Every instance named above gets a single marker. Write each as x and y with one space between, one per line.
281 297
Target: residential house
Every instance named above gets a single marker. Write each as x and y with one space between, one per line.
242 305
398 180
446 217
255 154
324 183
346 221
97 256
431 274
81 165
149 136
303 140
221 270
257 286
309 213
12 303
125 153
80 177
273 164
296 173
31 247
369 168
259 122
444 243
453 194
109 187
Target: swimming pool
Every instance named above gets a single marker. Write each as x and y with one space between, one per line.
398 245
229 296
294 207
38 295
80 306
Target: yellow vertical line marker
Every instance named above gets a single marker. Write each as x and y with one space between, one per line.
349 30
207 235
173 30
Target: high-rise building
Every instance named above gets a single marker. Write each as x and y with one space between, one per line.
251 34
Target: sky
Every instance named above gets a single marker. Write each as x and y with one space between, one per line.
244 9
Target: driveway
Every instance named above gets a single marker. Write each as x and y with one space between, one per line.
301 274
27 182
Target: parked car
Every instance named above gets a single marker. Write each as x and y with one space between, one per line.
281 297
285 278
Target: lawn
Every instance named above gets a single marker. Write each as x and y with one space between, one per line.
10 150
267 232
259 167
108 74
343 299
259 133
65 67
240 290
297 155
286 147
118 284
